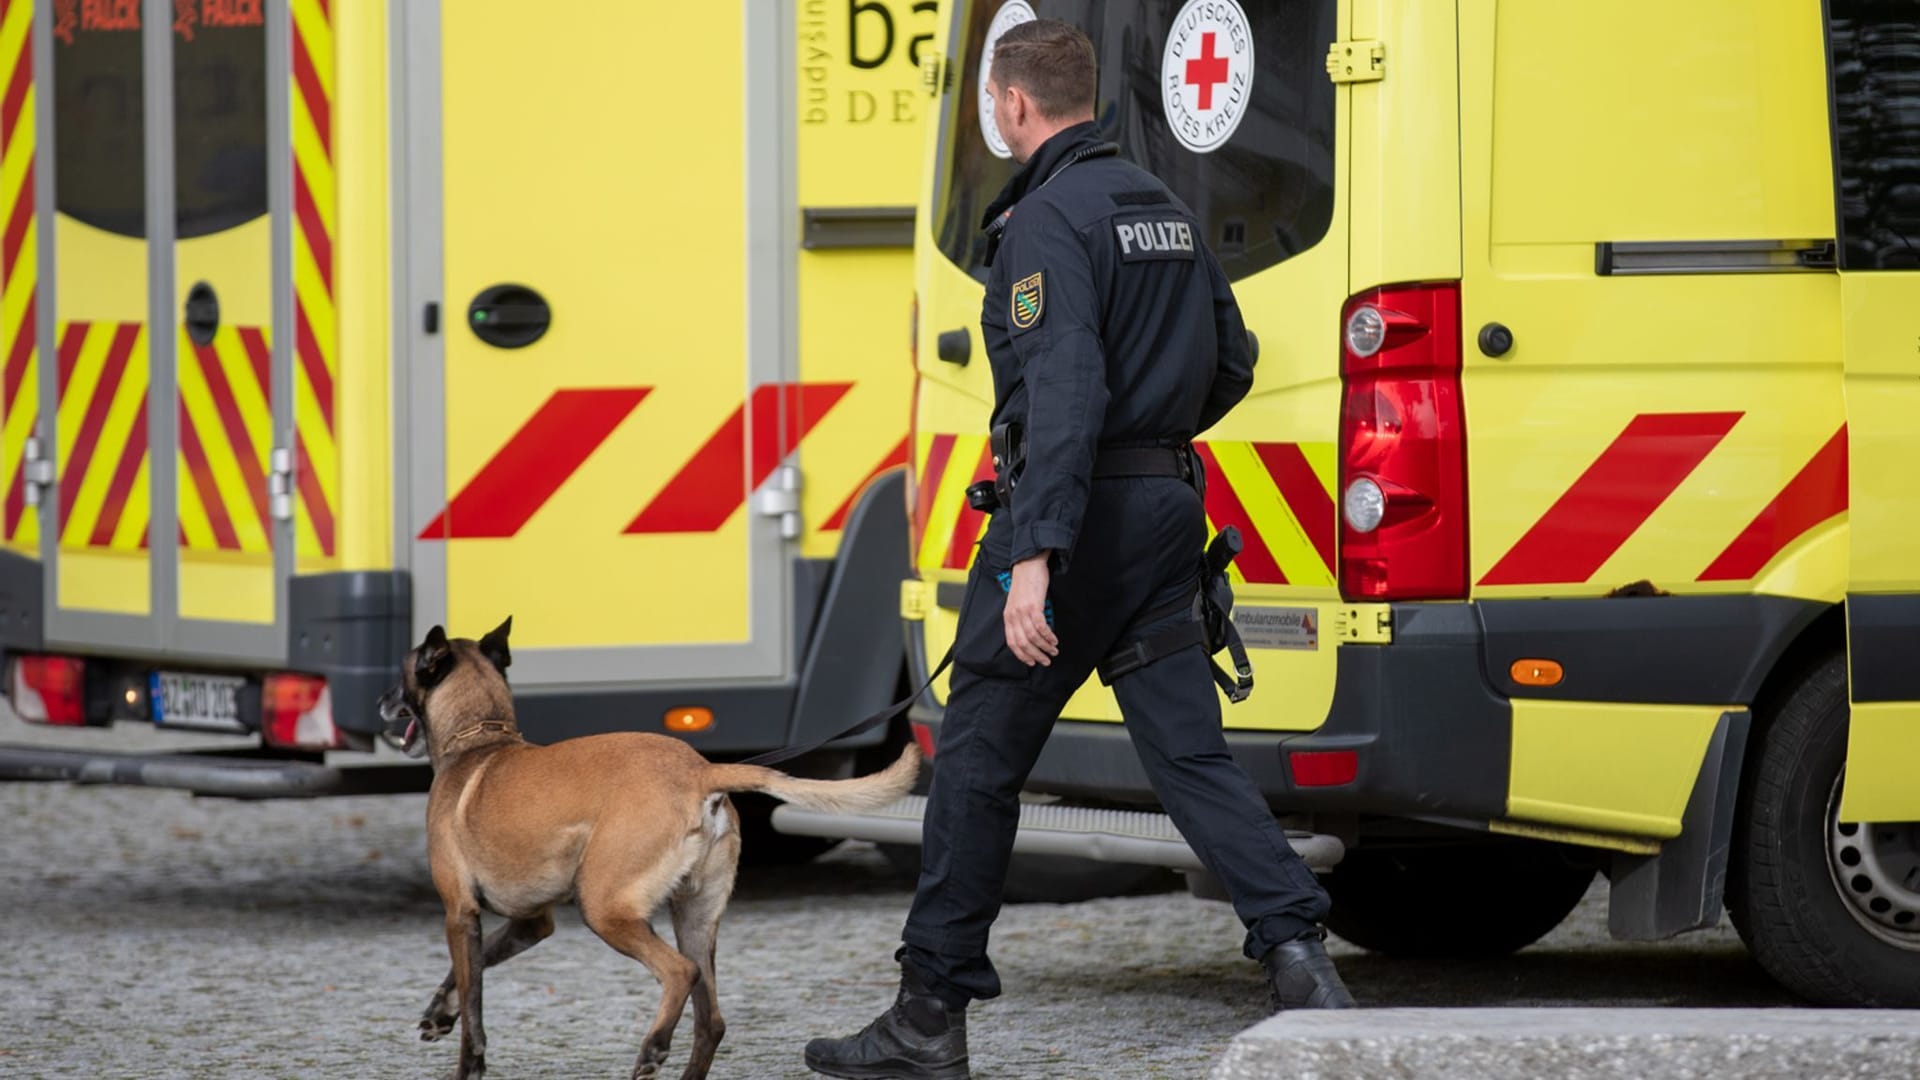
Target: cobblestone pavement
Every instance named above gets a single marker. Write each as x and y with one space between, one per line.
150 934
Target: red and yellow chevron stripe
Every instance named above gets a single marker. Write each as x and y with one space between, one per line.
553 443
1815 495
1634 476
526 471
1279 495
225 441
707 490
19 272
102 426
316 338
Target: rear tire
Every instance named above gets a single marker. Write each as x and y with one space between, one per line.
1459 900
1825 908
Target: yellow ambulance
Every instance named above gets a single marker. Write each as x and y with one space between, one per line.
1578 532
326 322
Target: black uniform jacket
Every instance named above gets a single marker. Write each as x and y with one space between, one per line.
1107 322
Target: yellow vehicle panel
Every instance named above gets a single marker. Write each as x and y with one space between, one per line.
1608 767
20 350
1665 428
1882 394
669 328
1883 401
318 280
101 444
223 249
637 433
861 122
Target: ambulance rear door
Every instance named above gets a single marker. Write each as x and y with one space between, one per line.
1874 65
165 526
603 408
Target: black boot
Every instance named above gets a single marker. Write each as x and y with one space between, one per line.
919 1038
1300 975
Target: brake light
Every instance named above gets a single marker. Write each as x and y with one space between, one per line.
296 713
1324 768
49 690
1403 446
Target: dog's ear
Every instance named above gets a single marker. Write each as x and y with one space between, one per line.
433 659
494 646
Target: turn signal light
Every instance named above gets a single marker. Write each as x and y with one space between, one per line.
1537 672
687 720
296 713
49 690
1324 768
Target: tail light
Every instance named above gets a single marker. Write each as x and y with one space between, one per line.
49 690
296 713
1403 446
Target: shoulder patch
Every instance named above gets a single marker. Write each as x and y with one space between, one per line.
1146 239
1029 300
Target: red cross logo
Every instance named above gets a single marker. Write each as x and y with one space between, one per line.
1206 71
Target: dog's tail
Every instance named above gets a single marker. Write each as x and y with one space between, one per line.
868 792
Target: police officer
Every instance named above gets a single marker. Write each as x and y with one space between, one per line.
1114 340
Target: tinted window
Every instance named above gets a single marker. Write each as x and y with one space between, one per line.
220 120
100 129
1262 196
1875 67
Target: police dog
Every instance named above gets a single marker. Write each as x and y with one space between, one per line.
621 823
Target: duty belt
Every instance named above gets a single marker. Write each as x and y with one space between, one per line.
1108 464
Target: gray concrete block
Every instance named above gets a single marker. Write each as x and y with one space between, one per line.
1577 1043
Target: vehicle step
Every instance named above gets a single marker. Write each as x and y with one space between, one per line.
1119 836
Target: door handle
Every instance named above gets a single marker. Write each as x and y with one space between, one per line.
202 314
509 316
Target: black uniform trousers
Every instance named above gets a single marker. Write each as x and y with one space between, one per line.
1139 551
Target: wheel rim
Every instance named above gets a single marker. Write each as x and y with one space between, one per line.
1876 871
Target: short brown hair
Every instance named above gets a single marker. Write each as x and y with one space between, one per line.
1049 60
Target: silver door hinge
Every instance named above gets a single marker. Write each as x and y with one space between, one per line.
36 471
779 498
280 485
1357 61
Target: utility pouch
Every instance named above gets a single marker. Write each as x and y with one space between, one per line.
1196 472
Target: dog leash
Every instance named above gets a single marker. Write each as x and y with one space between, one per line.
884 716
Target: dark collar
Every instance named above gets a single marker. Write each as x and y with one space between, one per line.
1066 147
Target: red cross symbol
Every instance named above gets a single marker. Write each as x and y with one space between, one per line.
1206 71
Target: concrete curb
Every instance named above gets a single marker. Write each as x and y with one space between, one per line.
1576 1043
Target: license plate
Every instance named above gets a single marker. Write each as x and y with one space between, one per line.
209 702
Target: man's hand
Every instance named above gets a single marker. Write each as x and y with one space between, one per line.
1028 634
